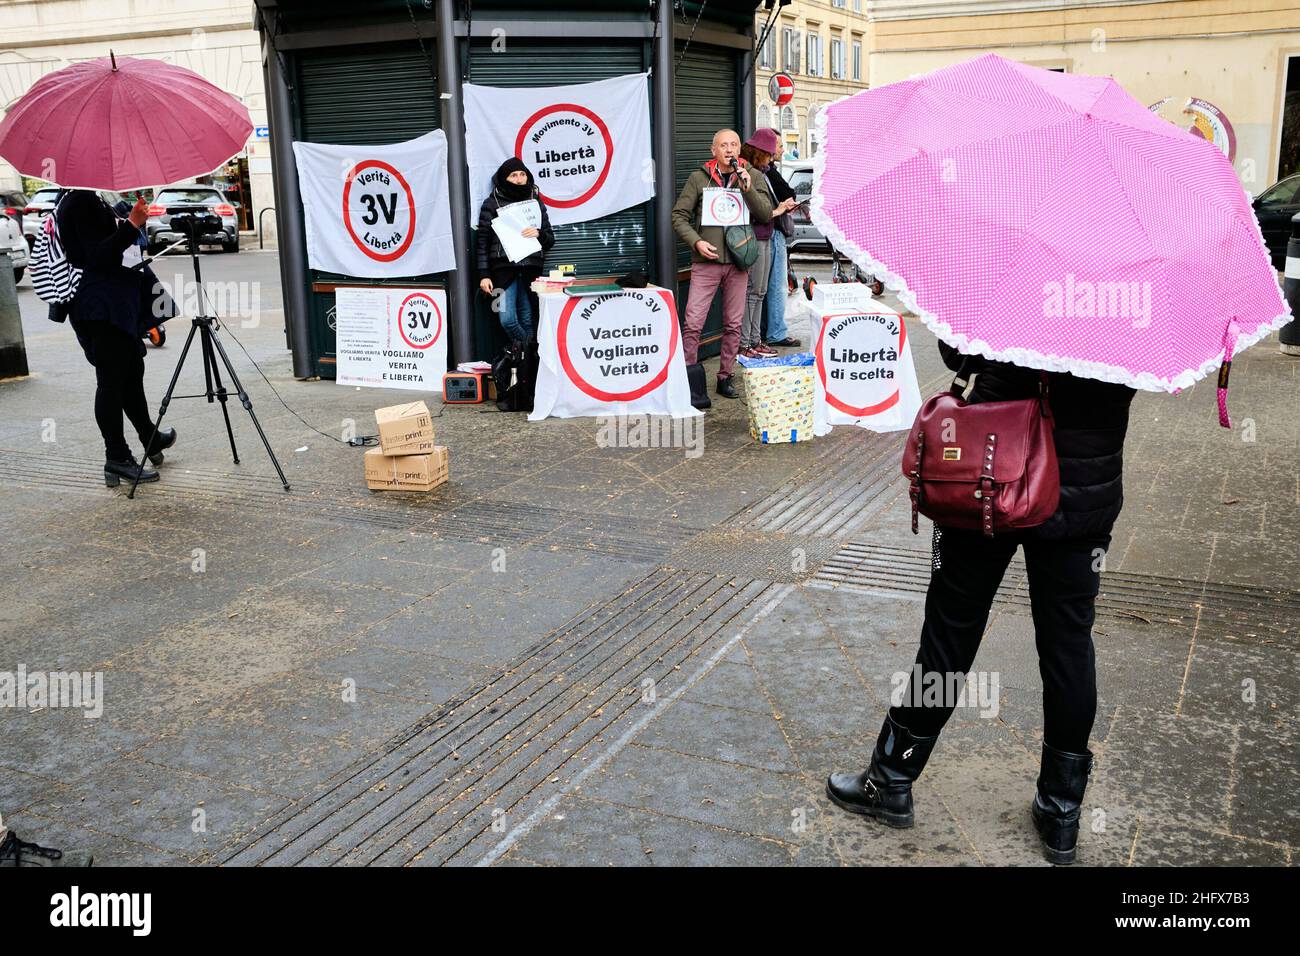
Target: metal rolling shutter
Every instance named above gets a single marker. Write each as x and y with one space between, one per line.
613 244
706 102
375 95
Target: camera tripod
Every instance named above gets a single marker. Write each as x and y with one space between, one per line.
205 326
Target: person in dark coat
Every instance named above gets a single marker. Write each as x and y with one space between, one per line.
1064 558
775 331
113 308
511 183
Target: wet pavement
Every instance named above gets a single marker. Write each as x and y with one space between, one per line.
581 654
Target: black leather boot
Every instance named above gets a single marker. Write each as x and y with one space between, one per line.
165 438
725 387
884 789
115 472
1056 806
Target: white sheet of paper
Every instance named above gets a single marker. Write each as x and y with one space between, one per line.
723 207
523 214
514 243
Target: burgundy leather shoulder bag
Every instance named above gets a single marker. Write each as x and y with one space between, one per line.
986 466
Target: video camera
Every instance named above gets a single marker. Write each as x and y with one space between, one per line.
193 222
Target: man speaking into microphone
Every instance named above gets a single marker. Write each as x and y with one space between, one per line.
713 262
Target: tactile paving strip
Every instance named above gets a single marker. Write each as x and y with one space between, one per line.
863 566
433 793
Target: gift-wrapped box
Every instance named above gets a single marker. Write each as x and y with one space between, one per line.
780 403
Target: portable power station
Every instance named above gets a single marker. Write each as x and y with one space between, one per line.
465 388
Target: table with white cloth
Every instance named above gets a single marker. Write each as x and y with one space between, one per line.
865 374
613 353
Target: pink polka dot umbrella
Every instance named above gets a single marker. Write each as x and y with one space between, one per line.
1049 220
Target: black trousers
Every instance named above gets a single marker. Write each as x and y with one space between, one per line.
1064 577
118 359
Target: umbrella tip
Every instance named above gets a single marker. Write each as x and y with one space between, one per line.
113 59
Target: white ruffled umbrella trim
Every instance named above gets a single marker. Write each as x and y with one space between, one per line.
1027 358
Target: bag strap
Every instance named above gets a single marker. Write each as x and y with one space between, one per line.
1044 390
967 385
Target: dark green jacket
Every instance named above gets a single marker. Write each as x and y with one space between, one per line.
686 212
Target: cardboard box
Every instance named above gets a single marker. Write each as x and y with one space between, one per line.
407 472
405 429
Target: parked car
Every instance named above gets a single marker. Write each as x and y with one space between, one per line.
11 241
42 204
806 236
200 199
13 202
1274 208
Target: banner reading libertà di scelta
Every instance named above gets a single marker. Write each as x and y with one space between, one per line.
865 374
587 145
377 211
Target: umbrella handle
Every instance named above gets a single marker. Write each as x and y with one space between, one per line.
1229 345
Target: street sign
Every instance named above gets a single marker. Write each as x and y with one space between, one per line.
262 132
781 88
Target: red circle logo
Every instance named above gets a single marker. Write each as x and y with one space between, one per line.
425 324
839 404
538 166
562 342
726 207
387 227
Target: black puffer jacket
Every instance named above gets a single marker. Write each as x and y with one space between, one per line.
492 260
1091 421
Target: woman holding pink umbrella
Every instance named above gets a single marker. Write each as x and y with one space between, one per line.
114 307
1063 558
1022 215
125 125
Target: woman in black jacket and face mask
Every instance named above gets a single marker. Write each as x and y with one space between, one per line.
113 308
511 183
1064 557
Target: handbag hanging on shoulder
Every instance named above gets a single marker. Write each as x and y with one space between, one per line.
743 246
55 278
983 466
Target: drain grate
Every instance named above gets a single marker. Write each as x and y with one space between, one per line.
1150 598
433 793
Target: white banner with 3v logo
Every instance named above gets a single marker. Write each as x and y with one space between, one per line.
390 338
377 211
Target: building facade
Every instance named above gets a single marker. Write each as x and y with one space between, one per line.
1229 69
823 46
214 38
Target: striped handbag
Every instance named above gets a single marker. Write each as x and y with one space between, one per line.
54 277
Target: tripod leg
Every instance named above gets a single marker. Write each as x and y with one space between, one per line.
213 372
248 405
162 408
